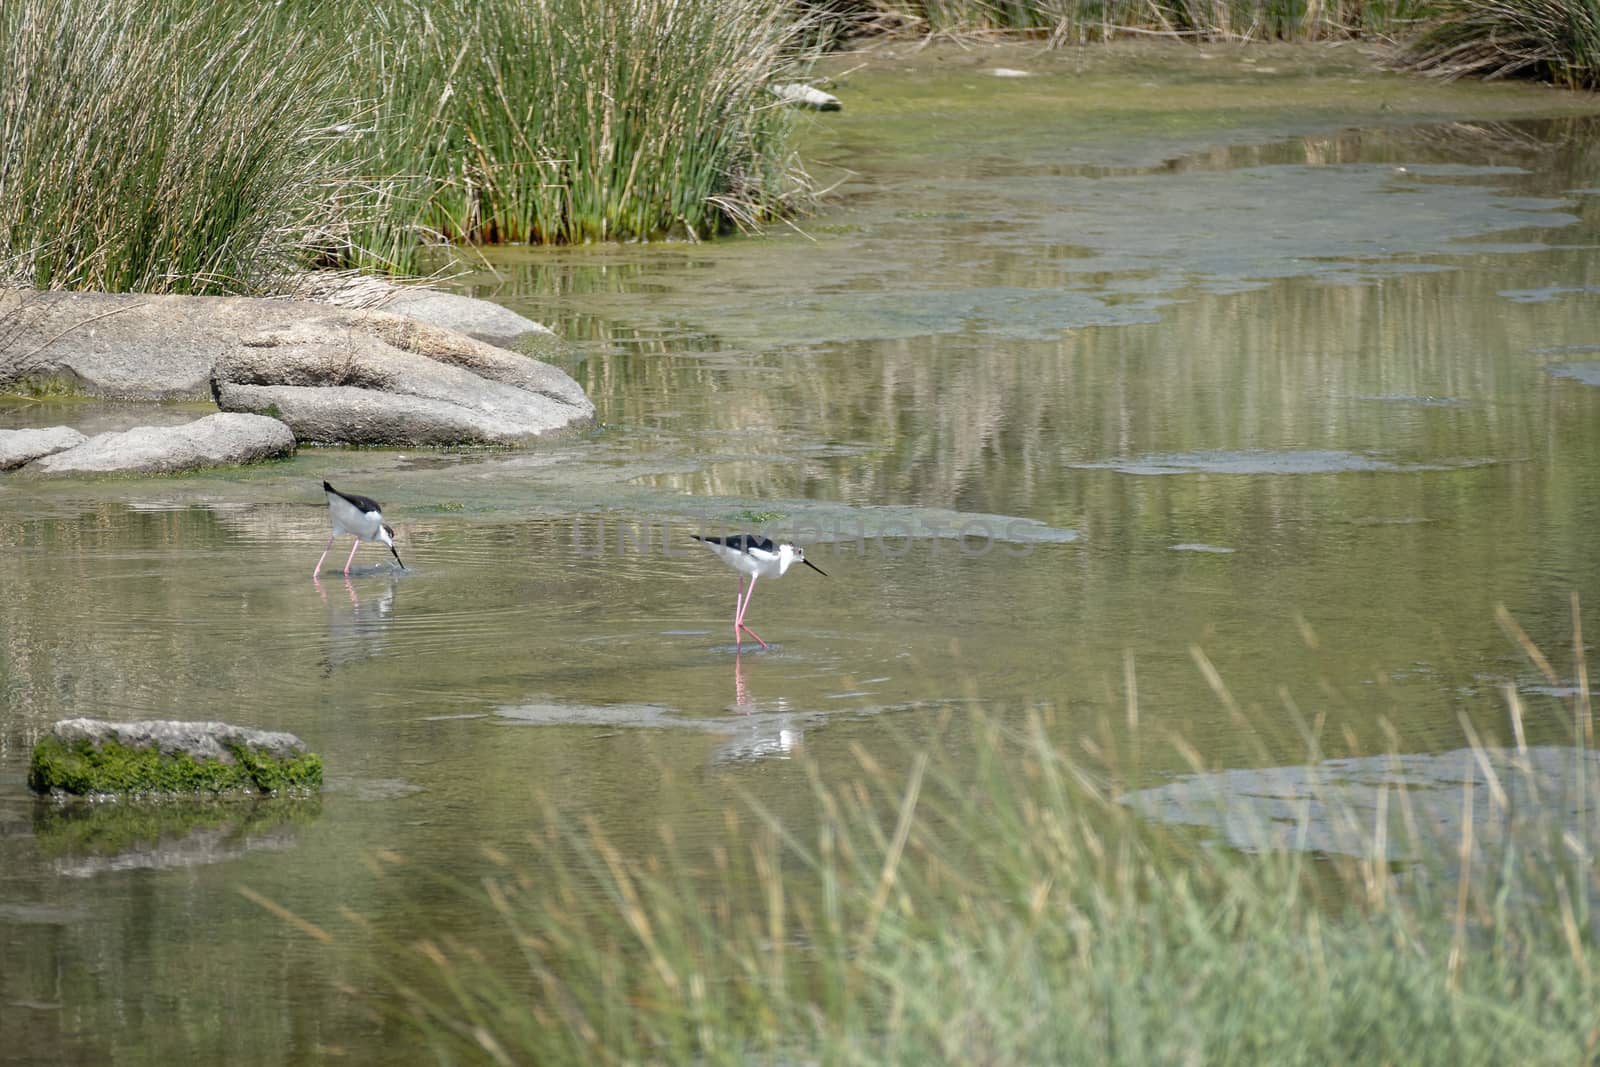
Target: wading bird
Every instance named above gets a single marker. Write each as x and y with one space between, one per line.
758 557
361 518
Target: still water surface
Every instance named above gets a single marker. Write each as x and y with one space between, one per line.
1041 398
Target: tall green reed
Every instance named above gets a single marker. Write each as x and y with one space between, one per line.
178 146
219 147
579 120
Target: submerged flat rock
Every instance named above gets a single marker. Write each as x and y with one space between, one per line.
1400 807
216 440
1587 373
155 756
1262 461
24 446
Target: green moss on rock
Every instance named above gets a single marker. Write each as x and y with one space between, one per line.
49 387
543 346
84 767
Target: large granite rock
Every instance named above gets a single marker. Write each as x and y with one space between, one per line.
181 347
92 756
213 441
23 446
397 382
345 415
112 345
480 319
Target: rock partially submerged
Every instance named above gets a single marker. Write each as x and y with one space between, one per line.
801 95
345 415
124 346
94 757
397 382
208 442
24 446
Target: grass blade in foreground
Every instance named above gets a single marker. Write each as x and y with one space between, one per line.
1002 902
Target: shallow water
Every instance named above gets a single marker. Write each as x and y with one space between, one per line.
1061 379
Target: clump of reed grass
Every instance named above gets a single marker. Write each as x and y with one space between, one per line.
995 900
577 120
188 146
1554 40
1078 21
158 146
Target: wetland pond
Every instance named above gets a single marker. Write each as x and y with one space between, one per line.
1256 352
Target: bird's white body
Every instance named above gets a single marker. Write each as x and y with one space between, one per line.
359 517
755 557
758 559
348 518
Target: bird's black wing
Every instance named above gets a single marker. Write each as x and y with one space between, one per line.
740 542
364 504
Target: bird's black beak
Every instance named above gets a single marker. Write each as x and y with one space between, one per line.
396 556
814 567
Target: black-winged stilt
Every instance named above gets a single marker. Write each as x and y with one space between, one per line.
361 518
758 557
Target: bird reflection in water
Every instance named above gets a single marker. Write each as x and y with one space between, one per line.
357 632
741 693
764 733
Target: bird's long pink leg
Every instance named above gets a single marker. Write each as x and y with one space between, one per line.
352 556
318 568
745 603
739 622
738 613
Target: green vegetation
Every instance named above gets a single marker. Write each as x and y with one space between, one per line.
51 387
85 768
1023 913
190 146
157 146
576 120
1557 40
1078 21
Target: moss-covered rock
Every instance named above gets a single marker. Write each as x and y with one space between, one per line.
89 756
